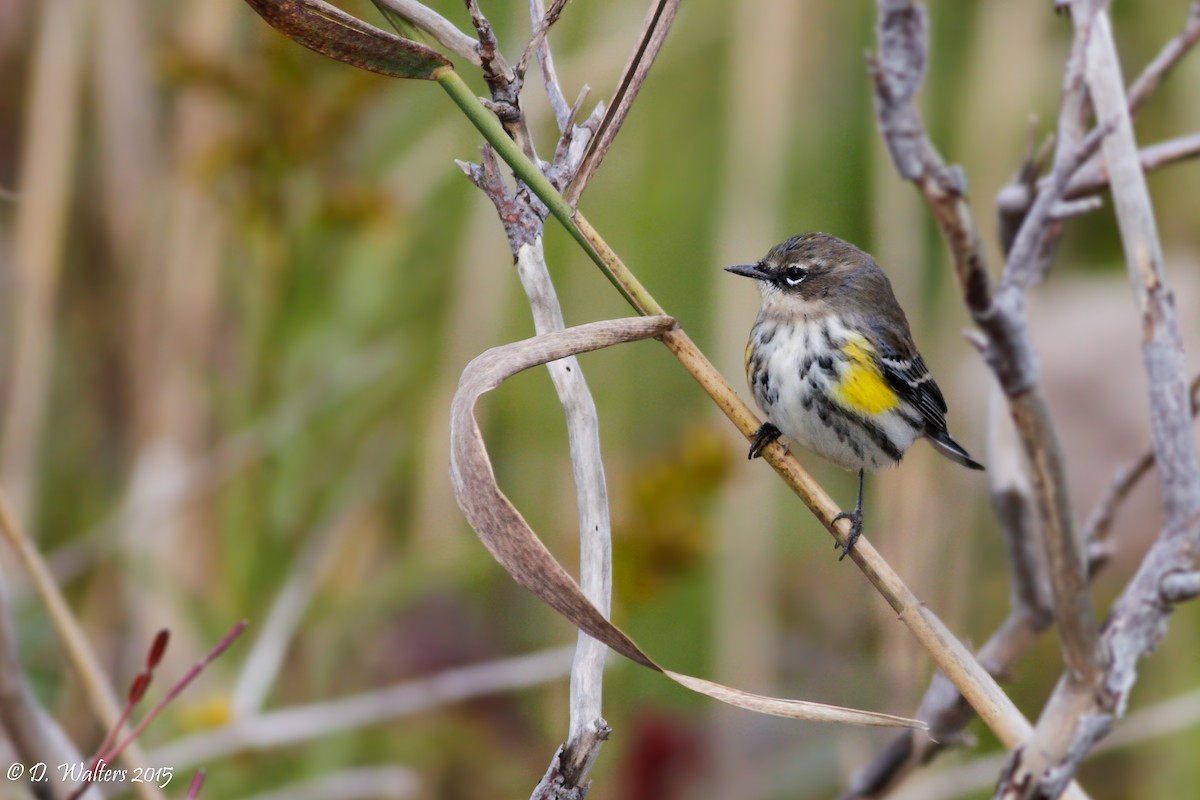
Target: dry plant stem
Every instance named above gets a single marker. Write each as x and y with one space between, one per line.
650 41
304 723
97 688
588 730
1079 714
523 216
537 42
558 101
1027 262
442 30
1169 717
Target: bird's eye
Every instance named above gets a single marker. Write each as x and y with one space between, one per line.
794 274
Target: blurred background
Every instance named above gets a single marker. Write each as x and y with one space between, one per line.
238 283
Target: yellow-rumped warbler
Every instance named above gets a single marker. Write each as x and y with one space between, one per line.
831 362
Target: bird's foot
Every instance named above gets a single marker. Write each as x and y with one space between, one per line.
856 526
763 437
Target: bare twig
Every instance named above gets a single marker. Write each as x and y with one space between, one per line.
443 31
1096 531
524 220
563 114
650 41
538 39
1093 177
1015 199
1167 718
303 723
1080 713
1171 54
505 84
1027 261
943 707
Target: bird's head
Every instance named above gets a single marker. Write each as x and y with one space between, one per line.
808 267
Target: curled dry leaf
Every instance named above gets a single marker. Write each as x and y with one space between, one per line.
513 543
332 32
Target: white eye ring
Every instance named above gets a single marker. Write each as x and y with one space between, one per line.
795 275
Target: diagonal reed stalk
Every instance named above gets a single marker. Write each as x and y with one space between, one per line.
979 688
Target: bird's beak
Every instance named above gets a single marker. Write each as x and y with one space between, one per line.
748 271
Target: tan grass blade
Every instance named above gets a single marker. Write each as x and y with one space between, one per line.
513 543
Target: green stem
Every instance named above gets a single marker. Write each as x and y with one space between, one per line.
583 233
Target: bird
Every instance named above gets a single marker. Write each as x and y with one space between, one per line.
832 363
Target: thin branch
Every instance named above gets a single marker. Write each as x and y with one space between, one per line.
304 723
524 216
1167 718
650 42
943 707
443 31
1171 54
505 84
1031 252
563 114
1080 713
1094 177
1099 523
537 41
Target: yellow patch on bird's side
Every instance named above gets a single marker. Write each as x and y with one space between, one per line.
749 353
863 388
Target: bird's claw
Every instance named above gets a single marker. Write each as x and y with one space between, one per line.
856 526
766 434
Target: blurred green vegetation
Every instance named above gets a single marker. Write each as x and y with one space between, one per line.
309 272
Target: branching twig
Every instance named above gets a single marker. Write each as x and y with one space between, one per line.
538 39
650 41
1080 713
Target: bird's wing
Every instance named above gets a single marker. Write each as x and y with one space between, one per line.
905 371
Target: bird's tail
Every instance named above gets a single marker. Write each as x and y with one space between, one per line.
951 449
